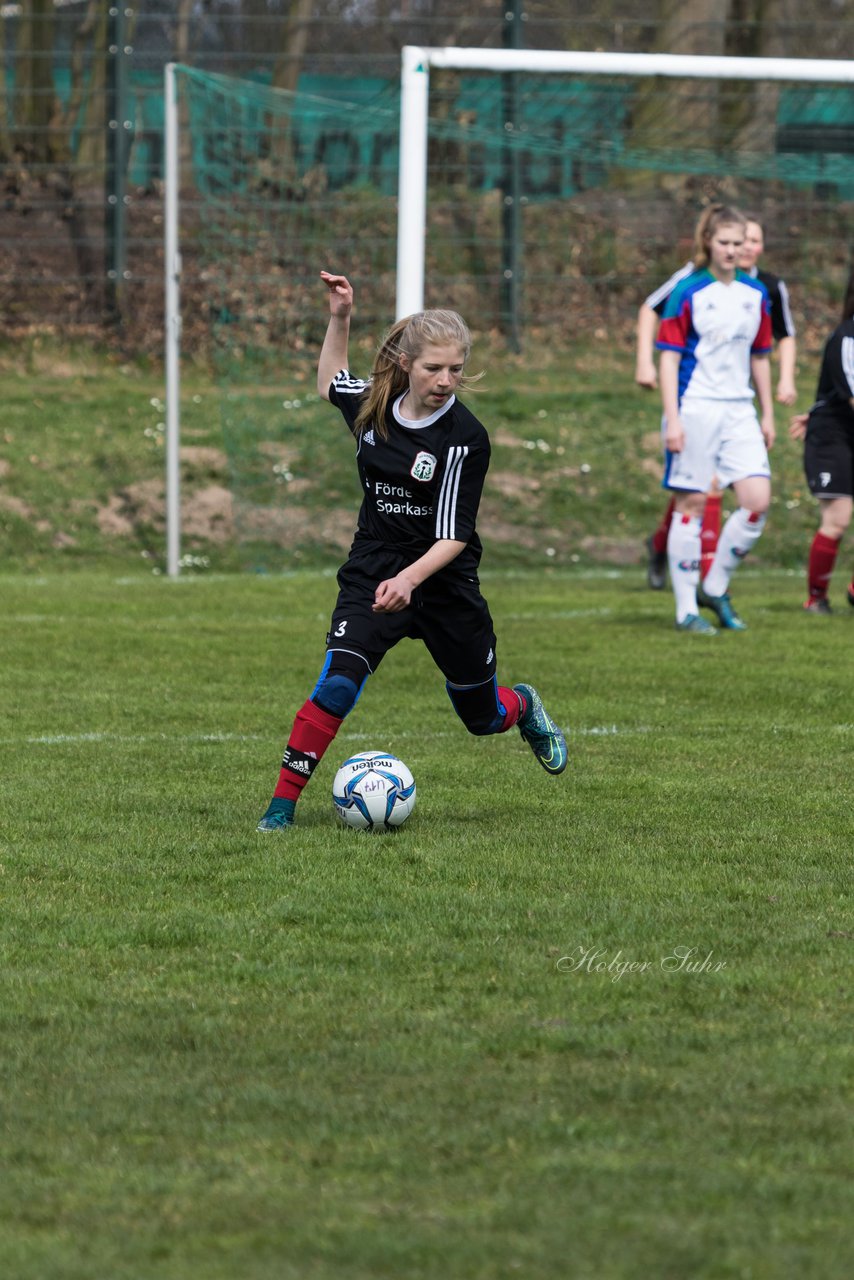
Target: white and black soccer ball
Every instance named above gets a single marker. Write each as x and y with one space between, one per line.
373 791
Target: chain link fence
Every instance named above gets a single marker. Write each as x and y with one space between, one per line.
81 127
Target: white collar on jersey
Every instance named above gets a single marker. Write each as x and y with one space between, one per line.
417 424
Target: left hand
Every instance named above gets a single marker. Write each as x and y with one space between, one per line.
798 426
392 595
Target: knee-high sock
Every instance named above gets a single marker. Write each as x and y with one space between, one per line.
740 533
683 558
312 733
709 532
820 568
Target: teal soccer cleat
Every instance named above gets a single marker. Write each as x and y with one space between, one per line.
699 626
279 815
722 607
540 731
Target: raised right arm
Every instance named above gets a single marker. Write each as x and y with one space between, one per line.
333 353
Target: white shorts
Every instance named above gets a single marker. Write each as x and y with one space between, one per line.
723 439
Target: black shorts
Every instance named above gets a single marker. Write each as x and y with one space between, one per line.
447 612
829 457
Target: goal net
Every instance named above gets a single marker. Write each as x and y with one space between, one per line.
542 203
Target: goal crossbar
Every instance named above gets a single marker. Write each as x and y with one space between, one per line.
416 61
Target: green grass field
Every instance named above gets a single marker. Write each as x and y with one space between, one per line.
594 1027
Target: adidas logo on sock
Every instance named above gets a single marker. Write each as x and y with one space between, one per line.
299 762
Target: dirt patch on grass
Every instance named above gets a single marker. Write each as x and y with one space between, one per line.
287 525
206 514
16 507
621 551
211 515
199 459
512 485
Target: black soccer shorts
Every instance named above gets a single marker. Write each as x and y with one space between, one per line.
447 612
829 457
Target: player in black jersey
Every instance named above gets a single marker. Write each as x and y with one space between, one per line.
828 434
412 570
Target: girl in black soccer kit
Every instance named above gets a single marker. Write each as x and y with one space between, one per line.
828 434
412 569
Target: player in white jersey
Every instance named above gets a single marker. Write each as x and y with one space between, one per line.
783 326
412 571
828 429
715 340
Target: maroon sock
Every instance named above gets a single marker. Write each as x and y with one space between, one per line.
659 538
710 530
820 569
512 703
312 733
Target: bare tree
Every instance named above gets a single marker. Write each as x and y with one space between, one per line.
672 115
5 141
294 45
34 97
182 29
46 144
755 128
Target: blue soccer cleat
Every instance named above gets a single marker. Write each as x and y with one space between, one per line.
540 731
722 607
279 815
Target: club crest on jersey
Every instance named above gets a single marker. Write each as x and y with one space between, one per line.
423 467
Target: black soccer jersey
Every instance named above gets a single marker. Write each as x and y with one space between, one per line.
423 482
835 389
782 324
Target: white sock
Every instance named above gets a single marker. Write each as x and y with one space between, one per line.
740 533
683 557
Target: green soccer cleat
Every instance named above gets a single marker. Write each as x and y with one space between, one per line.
693 622
540 731
279 815
722 607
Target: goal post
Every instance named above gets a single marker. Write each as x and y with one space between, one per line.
611 157
172 320
416 62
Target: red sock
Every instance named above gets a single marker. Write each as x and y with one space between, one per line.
820 569
312 733
659 538
709 532
512 703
